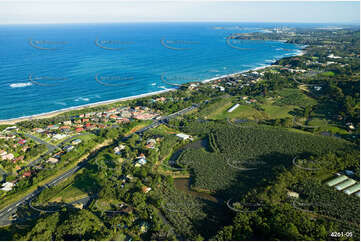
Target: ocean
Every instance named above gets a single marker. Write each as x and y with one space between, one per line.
51 67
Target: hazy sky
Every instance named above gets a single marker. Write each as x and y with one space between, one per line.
86 11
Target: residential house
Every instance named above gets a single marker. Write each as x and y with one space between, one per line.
80 129
118 149
59 136
22 141
53 127
7 186
76 141
27 174
151 143
350 126
68 148
146 189
38 130
293 194
140 161
52 160
65 128
19 159
67 122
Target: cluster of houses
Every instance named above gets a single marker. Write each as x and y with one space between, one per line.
14 147
4 155
56 157
150 144
7 186
240 80
96 120
221 88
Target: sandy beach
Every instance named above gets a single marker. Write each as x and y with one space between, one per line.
60 111
57 112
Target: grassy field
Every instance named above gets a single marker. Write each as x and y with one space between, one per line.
139 126
218 110
278 112
291 96
63 192
281 104
17 196
107 204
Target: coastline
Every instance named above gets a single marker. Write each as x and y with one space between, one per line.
54 113
80 107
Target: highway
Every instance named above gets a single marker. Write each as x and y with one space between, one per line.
11 209
161 120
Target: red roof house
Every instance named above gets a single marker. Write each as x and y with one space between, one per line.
79 129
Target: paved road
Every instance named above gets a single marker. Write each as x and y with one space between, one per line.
49 146
71 138
161 120
11 209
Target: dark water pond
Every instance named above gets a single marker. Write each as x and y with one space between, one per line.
183 184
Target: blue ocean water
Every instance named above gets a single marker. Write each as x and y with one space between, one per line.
50 67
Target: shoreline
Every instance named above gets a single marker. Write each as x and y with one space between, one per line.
80 107
54 113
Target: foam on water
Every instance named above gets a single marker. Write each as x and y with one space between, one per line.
76 64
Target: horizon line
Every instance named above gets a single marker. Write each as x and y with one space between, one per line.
184 21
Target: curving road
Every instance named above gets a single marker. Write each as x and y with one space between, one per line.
49 146
11 209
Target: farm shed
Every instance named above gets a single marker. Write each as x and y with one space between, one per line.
336 180
352 189
345 184
233 108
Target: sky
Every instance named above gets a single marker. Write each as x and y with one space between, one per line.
108 11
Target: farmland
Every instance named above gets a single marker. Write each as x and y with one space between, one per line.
237 151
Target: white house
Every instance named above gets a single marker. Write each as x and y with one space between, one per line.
59 136
184 136
140 162
7 186
76 141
